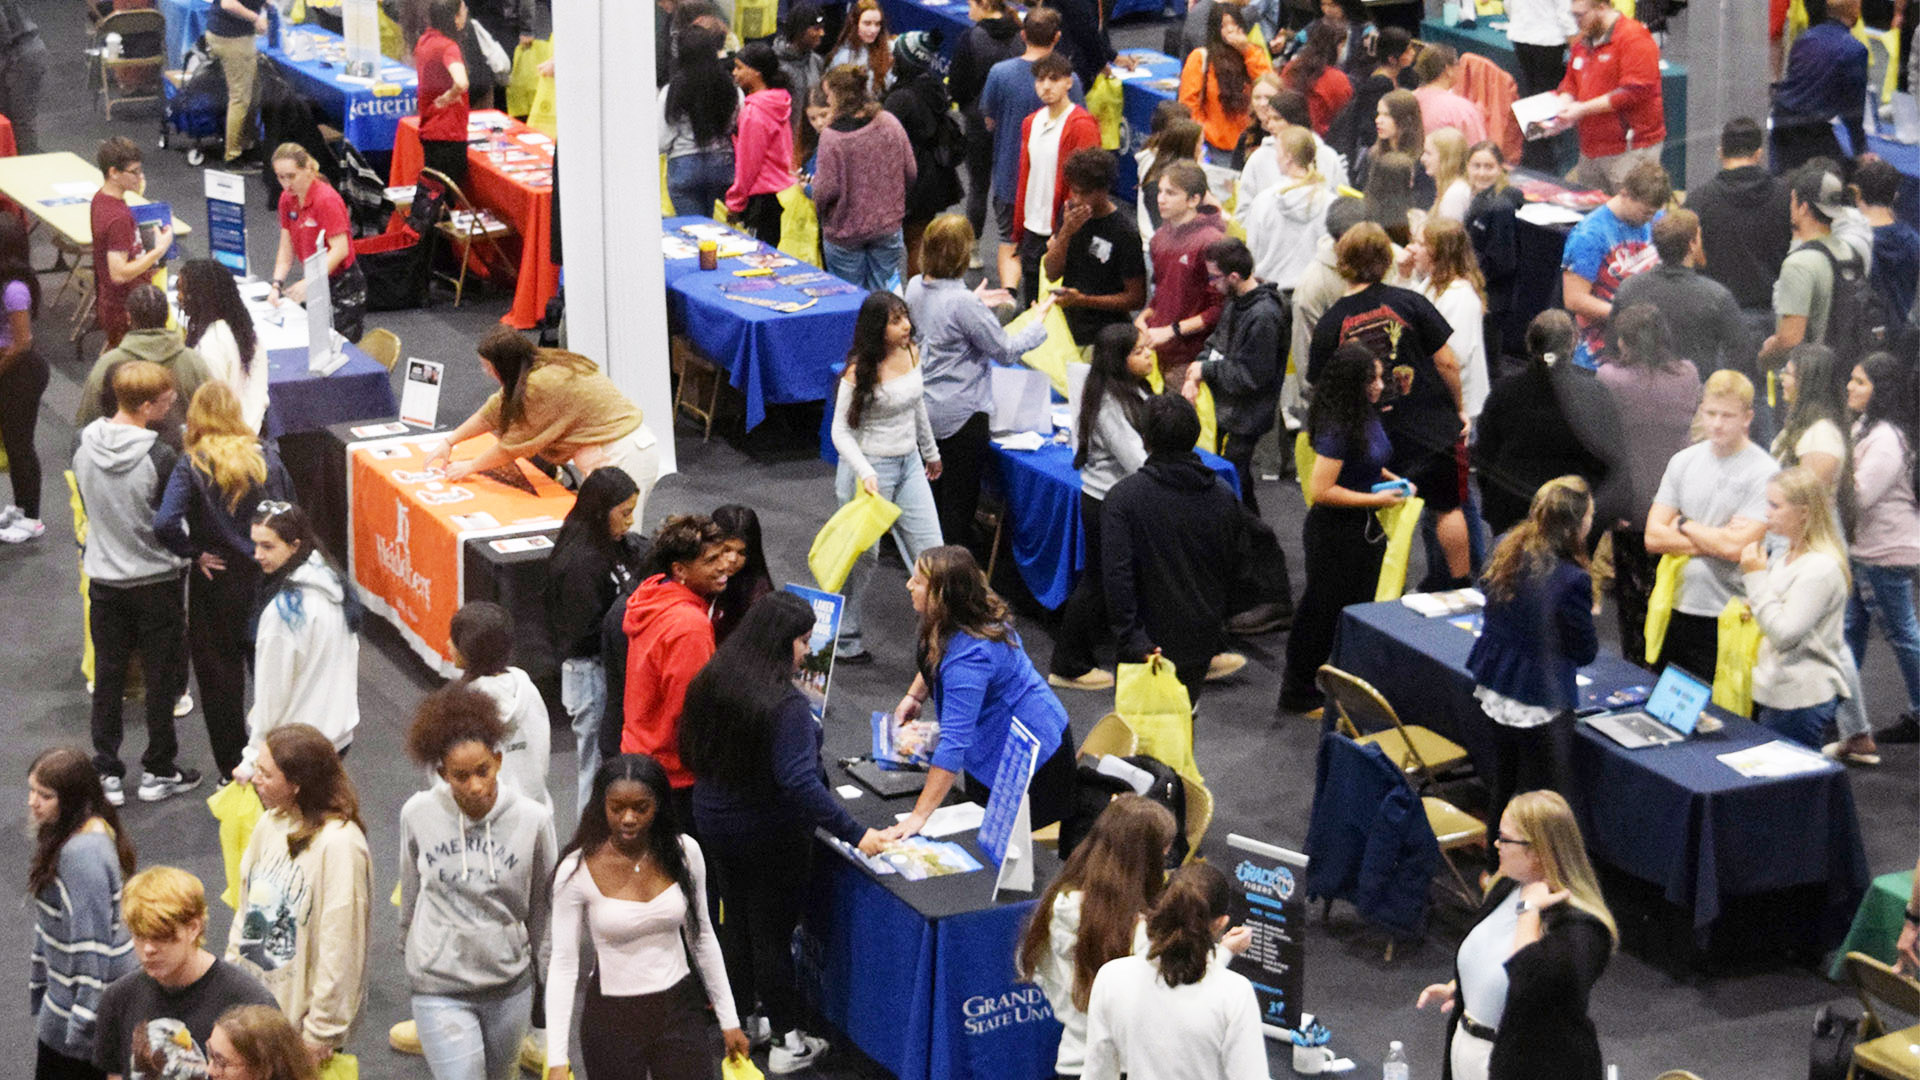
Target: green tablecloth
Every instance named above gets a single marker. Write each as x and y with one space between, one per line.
1486 41
1876 926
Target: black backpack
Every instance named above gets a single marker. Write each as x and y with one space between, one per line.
1857 320
949 141
1093 790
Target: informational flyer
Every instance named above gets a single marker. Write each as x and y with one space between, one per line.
1269 900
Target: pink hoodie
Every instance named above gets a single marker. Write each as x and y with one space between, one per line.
762 148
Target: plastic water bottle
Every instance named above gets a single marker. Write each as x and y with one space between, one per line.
1395 1067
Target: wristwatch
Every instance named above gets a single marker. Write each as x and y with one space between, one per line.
1913 916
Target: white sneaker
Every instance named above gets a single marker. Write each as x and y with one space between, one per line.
783 1059
183 706
10 515
116 791
154 788
758 1030
22 530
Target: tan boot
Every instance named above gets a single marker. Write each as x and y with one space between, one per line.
404 1037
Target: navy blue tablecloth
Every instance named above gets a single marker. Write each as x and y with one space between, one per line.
947 16
366 120
1139 96
771 357
298 401
1674 816
1042 490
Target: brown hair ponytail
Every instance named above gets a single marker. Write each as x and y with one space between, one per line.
1180 926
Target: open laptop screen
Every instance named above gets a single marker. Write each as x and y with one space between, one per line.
1677 699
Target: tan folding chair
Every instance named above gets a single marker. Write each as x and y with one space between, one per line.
1110 736
465 230
696 389
383 345
1366 717
137 70
1892 1055
1199 816
1456 830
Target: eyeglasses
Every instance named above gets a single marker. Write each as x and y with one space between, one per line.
269 507
1503 838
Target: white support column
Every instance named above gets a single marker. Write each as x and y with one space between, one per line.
610 210
1724 45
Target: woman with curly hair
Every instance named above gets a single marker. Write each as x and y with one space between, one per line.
1216 83
220 329
255 1042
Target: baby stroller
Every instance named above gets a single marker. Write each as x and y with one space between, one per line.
196 106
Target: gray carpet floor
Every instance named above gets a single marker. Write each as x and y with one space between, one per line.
1743 1021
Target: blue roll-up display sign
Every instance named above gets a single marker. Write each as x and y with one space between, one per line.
227 220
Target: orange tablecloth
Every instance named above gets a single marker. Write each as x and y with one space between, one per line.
408 529
528 209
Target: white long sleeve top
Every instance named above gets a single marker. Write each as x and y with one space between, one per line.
1140 1027
221 351
637 945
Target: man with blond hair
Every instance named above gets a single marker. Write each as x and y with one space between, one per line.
154 1021
1711 504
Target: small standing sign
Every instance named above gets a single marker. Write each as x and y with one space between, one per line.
227 220
1006 830
320 351
1270 901
420 397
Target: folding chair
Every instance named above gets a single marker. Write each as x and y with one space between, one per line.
464 228
696 384
1110 736
1365 717
1895 1055
141 61
383 345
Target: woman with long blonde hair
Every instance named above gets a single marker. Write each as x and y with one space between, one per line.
1537 632
1286 221
1091 912
1799 598
972 665
1523 974
1445 159
1442 253
206 515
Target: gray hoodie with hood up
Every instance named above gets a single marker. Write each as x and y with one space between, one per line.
122 472
474 895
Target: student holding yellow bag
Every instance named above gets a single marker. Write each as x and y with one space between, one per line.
1343 546
886 446
1799 598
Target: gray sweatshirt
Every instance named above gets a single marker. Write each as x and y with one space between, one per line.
474 895
1115 451
122 472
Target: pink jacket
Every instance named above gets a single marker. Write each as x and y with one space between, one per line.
762 148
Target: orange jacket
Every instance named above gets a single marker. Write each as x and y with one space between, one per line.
669 639
1488 85
1200 93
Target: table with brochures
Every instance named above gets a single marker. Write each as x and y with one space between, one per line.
919 974
1676 817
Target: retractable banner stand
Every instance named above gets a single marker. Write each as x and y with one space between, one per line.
227 220
322 357
1006 831
360 21
1269 901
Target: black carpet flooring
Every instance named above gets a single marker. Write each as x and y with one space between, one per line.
1748 1019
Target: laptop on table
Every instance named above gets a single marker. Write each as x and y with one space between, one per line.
1670 714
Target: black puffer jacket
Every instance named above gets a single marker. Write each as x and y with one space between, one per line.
919 101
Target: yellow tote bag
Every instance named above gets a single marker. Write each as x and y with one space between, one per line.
1051 356
1303 459
855 527
1104 102
740 1068
1666 586
1400 522
1209 427
340 1066
1733 664
1154 703
755 18
542 118
523 83
799 226
237 808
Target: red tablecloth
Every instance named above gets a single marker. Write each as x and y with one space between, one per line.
529 209
7 147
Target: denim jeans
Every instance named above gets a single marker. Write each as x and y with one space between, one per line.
1804 726
874 265
473 1038
696 181
903 482
583 690
1889 591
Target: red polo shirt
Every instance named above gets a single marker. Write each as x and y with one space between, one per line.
433 59
1626 65
324 215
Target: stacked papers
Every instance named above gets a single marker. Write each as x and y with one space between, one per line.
1777 758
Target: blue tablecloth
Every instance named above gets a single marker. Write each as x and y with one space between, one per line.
1483 40
1673 816
946 16
1138 98
186 21
298 401
1906 158
771 357
1042 489
367 121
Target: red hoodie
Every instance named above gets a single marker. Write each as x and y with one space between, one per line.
762 148
669 639
1082 131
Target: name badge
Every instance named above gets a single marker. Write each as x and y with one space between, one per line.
1579 63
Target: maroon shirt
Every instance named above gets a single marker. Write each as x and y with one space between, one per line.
113 230
1180 286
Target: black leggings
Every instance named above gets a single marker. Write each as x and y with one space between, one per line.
762 218
760 878
668 1036
1530 759
956 495
21 387
217 615
1344 546
1633 571
1049 793
1083 621
449 157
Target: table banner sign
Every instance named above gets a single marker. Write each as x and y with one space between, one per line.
1006 832
408 526
1268 901
227 220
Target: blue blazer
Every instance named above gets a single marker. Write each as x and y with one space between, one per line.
982 686
1532 644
